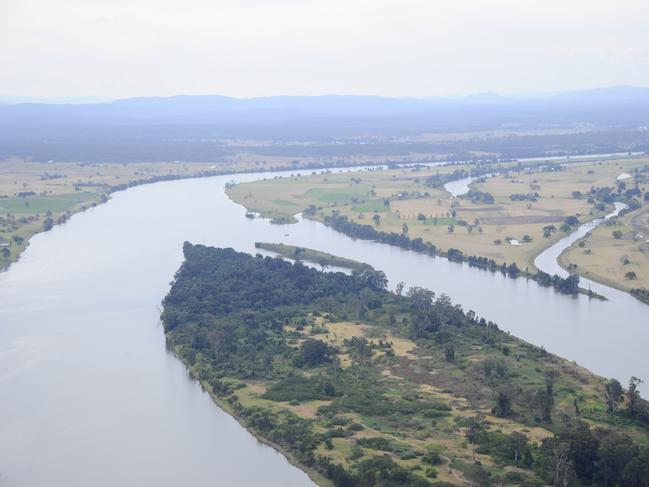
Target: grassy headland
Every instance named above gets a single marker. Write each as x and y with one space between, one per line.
363 387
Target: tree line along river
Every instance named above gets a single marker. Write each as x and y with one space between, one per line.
89 395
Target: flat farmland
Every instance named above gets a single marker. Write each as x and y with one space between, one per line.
522 217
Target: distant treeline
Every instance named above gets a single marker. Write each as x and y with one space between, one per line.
568 285
203 143
221 172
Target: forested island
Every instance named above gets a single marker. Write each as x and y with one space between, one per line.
364 387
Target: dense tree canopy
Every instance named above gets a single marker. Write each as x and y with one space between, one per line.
233 317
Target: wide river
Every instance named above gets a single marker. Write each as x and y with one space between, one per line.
89 396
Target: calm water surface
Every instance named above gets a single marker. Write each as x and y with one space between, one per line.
90 396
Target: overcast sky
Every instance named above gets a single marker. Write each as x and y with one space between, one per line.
120 48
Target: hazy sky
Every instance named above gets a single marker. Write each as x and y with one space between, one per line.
118 48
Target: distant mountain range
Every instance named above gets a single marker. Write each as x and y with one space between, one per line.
620 105
169 128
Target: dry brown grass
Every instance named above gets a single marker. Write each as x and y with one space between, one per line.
606 259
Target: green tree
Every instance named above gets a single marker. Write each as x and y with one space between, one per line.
503 406
449 353
542 402
614 453
633 396
636 471
517 443
425 317
475 431
315 352
613 394
555 457
550 379
477 476
48 223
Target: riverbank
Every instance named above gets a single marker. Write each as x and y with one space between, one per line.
323 259
34 197
227 407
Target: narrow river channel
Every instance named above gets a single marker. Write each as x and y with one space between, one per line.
90 396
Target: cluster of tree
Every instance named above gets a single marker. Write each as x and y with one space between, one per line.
225 315
524 197
548 230
164 177
373 472
367 232
577 455
248 300
48 224
608 195
455 255
569 222
568 285
480 197
232 316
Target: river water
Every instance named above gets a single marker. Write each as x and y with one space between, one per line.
458 187
90 396
548 260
